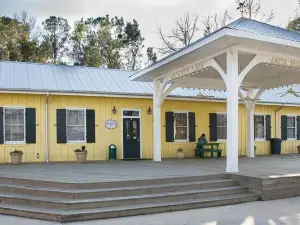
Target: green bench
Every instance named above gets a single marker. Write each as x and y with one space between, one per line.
201 149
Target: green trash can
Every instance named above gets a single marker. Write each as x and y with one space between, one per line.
112 152
276 146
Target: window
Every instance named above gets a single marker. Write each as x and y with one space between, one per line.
180 126
259 127
14 125
76 125
291 127
222 126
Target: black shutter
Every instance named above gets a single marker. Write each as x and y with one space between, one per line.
192 127
298 127
284 127
61 125
213 129
255 125
30 125
169 126
1 126
268 127
90 126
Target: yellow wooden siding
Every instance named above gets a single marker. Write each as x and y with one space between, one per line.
103 110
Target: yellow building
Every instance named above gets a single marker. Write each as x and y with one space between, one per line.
47 111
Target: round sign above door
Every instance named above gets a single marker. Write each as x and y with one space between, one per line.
111 124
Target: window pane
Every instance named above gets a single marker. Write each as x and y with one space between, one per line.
222 126
222 132
75 117
181 133
14 124
222 120
181 119
180 126
291 122
259 131
75 133
291 133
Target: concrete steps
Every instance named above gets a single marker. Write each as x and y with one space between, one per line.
68 202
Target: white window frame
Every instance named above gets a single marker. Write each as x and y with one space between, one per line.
264 115
24 111
76 109
221 113
187 126
295 138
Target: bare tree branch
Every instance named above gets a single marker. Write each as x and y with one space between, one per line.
213 22
181 35
252 9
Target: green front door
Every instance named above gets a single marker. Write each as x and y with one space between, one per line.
131 138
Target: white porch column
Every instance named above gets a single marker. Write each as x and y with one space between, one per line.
156 121
232 85
250 104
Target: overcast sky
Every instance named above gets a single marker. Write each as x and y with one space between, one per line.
149 13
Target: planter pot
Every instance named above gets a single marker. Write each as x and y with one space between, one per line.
180 155
16 158
298 147
81 157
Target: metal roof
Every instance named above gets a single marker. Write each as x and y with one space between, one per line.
35 77
253 26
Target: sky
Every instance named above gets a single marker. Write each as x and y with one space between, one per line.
149 13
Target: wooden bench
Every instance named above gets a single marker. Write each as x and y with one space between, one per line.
201 149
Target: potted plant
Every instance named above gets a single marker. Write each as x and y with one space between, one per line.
81 154
180 153
16 157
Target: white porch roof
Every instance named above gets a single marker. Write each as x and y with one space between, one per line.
251 38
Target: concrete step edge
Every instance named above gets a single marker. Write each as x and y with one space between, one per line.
96 200
60 212
76 191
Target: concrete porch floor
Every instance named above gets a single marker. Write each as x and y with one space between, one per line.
260 167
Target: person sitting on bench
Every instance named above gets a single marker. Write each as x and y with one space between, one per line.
202 139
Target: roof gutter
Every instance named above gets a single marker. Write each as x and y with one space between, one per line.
145 96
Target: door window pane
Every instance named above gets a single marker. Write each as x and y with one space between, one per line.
75 125
14 125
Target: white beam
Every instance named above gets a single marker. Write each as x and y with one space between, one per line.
250 104
232 111
156 121
164 94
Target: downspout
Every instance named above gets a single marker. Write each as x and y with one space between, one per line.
46 127
277 120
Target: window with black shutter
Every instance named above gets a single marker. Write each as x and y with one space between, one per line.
192 127
268 127
1 126
298 127
30 119
61 128
169 126
284 127
90 126
213 128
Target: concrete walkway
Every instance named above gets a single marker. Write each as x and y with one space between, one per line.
277 212
262 167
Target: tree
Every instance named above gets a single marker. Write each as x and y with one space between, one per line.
151 55
133 45
56 33
252 9
213 22
184 32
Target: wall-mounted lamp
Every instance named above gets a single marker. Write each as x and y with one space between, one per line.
149 111
114 111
